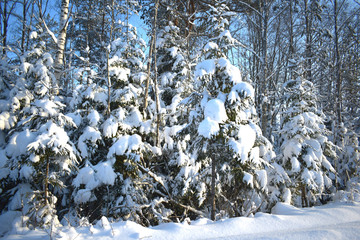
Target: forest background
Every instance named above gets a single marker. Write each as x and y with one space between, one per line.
227 108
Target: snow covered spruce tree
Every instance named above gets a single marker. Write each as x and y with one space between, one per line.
40 155
115 177
176 82
173 67
10 91
87 109
13 97
305 151
348 163
132 150
222 160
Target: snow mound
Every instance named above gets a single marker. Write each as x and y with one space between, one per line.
285 209
241 89
214 113
208 127
205 67
332 221
49 108
124 144
208 67
243 144
215 110
18 143
230 70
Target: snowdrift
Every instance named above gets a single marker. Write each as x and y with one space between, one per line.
332 221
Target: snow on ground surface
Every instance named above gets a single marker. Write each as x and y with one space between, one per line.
339 220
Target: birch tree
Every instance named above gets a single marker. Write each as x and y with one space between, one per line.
61 40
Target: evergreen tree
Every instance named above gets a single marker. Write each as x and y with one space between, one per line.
173 68
176 83
40 154
222 153
305 151
347 165
115 177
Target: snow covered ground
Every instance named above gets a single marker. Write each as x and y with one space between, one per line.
338 220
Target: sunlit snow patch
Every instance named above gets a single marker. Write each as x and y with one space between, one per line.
214 113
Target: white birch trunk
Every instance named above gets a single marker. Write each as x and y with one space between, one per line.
59 59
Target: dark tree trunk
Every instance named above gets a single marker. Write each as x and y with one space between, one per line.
304 200
46 187
23 33
5 25
213 177
308 43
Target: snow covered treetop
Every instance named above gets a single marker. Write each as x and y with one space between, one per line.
242 89
219 74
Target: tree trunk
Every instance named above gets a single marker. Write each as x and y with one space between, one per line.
291 40
29 28
88 47
59 59
23 32
304 200
337 66
102 35
107 59
212 200
148 75
338 137
46 187
151 53
308 43
5 25
263 73
127 28
157 97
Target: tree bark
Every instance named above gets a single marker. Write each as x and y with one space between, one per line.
337 66
213 176
59 59
308 43
5 24
157 97
152 52
338 108
107 59
303 196
46 187
291 40
23 32
148 75
263 73
29 28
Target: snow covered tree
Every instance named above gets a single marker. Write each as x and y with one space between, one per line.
40 155
222 155
10 97
87 109
175 83
348 157
305 151
173 67
61 40
115 177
